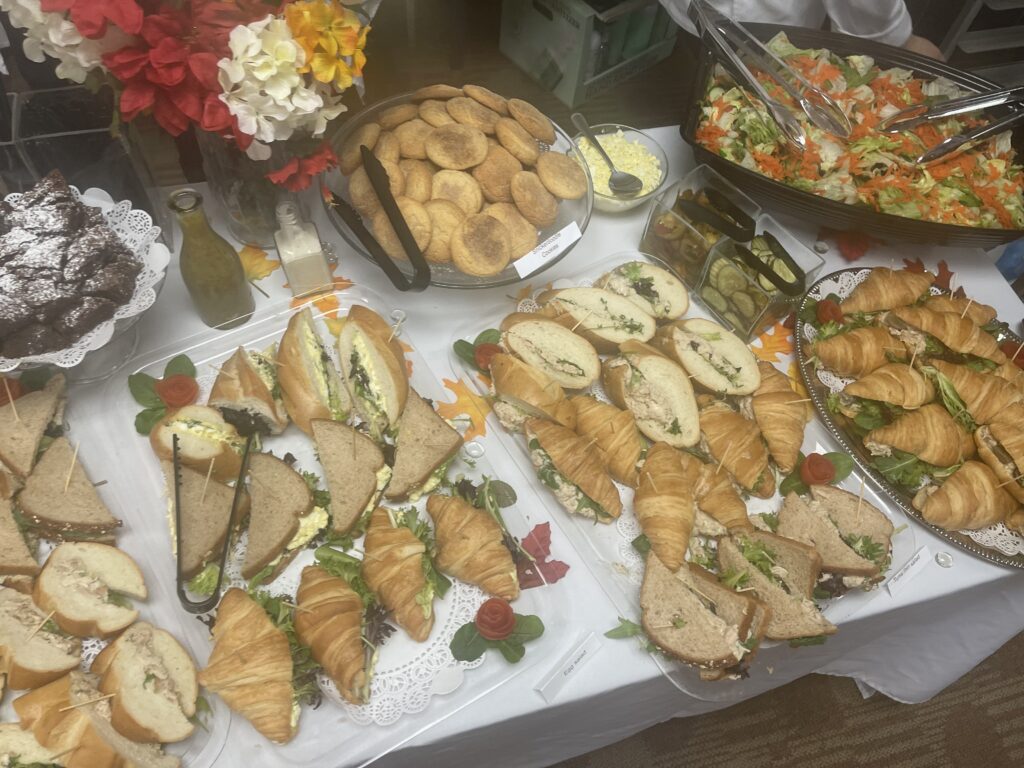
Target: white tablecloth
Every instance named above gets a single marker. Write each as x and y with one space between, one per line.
943 623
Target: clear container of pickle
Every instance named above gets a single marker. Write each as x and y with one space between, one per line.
681 240
740 297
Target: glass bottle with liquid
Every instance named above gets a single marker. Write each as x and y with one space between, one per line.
210 266
300 251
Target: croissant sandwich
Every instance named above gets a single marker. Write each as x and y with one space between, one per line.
251 666
470 546
395 566
574 471
664 503
615 434
522 392
735 443
717 496
1001 447
960 305
780 415
894 383
858 352
929 433
887 288
985 396
969 499
329 621
920 328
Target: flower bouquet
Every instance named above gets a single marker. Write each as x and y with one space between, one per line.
259 80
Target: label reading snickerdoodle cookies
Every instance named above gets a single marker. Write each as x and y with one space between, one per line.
548 250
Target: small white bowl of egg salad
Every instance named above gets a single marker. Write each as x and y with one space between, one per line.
632 151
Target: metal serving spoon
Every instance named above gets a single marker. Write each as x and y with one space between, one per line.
621 184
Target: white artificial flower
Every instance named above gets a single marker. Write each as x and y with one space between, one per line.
264 89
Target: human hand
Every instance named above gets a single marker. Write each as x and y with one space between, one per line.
923 46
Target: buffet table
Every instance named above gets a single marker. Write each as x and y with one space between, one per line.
940 624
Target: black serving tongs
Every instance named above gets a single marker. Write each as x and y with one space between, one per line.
209 603
794 287
379 181
722 214
921 113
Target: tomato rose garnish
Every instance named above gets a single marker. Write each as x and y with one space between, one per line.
10 389
828 310
177 391
484 353
495 619
817 470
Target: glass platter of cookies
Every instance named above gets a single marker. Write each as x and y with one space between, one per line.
482 182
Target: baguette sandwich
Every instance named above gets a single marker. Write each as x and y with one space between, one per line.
655 290
566 358
21 435
716 359
247 392
33 651
426 447
522 392
19 748
16 557
657 392
203 437
355 470
310 385
373 368
603 318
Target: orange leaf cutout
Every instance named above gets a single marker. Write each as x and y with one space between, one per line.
467 404
408 363
256 264
326 302
777 340
523 293
485 380
335 324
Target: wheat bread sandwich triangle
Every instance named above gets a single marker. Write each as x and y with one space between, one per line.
59 499
278 498
355 470
31 653
859 522
677 619
23 422
782 574
806 521
15 557
426 445
205 510
10 483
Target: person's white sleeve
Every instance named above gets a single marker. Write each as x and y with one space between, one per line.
884 21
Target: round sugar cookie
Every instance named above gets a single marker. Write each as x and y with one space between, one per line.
532 119
562 175
416 218
456 147
418 177
412 136
521 233
517 140
392 117
495 174
350 157
538 206
472 113
361 193
445 216
437 91
479 245
434 112
487 97
387 147
459 187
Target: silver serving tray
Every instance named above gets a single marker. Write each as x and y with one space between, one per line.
852 444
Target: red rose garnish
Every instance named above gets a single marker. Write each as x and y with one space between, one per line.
10 389
177 391
495 619
817 470
484 353
828 310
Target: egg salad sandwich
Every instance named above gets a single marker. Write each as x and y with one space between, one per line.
522 392
373 367
282 517
563 356
714 357
603 318
203 437
309 381
356 474
654 289
248 394
426 447
24 423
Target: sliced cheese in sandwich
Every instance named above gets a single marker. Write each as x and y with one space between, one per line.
31 652
15 557
373 368
309 381
603 318
566 358
652 288
59 499
279 499
807 521
425 447
247 392
355 470
23 422
716 358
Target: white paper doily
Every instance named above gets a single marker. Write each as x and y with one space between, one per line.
998 536
136 230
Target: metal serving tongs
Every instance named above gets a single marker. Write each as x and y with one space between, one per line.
786 120
209 603
379 181
820 108
954 145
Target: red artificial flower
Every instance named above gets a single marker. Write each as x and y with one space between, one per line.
90 17
540 570
944 275
913 265
852 245
298 173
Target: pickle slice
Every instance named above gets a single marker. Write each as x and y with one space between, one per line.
730 279
714 299
744 304
733 319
